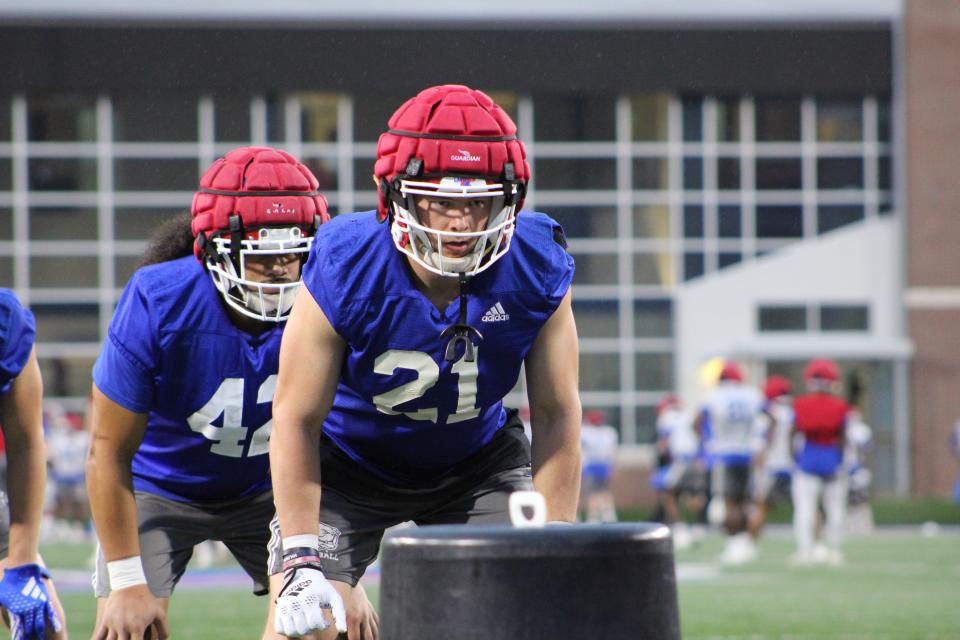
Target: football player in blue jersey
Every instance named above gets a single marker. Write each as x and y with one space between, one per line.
184 384
27 596
412 326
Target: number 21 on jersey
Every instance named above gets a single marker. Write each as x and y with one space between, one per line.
428 373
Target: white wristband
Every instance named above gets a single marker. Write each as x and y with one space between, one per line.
126 573
310 540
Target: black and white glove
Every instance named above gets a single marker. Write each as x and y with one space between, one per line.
304 596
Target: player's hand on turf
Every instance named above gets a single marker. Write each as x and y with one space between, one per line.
303 597
363 622
24 595
128 613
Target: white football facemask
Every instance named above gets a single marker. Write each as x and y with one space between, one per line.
264 301
425 245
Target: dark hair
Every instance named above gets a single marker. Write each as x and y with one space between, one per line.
171 239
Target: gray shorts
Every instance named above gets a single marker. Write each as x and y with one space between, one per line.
4 525
356 506
169 530
730 480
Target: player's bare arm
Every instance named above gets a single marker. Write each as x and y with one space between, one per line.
552 373
26 466
310 358
311 354
22 420
116 433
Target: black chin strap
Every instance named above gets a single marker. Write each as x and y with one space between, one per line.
461 331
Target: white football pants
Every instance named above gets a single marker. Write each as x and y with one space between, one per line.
806 489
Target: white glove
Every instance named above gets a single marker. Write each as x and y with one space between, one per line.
303 597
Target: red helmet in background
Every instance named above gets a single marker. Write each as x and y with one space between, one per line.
777 386
451 141
255 201
596 417
668 402
822 369
732 371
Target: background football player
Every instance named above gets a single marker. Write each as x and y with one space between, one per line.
27 595
820 415
411 327
730 413
773 466
183 388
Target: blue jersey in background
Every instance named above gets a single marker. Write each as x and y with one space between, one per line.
17 335
173 353
401 410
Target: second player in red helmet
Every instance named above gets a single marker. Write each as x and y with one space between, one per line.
412 326
820 415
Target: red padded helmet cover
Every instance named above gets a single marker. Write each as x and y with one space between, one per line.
453 130
731 371
777 386
822 368
264 186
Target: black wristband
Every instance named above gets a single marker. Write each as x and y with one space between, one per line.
300 556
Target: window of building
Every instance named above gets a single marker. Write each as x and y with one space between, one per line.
318 117
231 118
62 174
575 173
595 269
693 265
840 173
651 173
655 268
67 323
728 119
777 119
654 371
776 221
597 318
652 221
6 223
693 221
599 371
692 119
653 318
138 223
729 223
831 217
152 117
6 174
649 117
693 174
779 173
573 117
772 318
63 223
835 317
839 120
156 174
62 118
586 222
728 174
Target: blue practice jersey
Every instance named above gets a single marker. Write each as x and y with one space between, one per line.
401 410
173 353
17 334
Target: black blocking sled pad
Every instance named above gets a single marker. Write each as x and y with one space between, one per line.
597 582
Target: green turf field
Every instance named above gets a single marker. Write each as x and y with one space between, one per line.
895 585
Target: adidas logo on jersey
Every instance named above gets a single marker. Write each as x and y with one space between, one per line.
495 314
